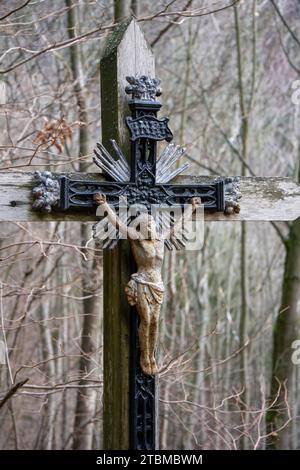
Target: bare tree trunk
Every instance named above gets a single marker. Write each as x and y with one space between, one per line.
182 130
49 354
86 398
122 9
172 310
285 332
135 7
243 246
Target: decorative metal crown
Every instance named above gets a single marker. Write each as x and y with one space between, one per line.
143 88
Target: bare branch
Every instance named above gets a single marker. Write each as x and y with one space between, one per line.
12 392
14 11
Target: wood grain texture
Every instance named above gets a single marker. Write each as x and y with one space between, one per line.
263 199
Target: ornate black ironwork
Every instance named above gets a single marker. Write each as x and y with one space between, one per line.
232 195
146 181
80 193
47 191
143 88
149 127
142 185
143 397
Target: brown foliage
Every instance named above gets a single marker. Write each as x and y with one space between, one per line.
55 133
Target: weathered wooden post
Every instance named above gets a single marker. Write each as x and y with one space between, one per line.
127 54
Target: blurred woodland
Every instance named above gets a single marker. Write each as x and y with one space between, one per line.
228 71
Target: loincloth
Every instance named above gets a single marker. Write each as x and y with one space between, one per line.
153 291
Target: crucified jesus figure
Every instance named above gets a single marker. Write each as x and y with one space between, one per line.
145 289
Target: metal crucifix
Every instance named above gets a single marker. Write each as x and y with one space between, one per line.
146 181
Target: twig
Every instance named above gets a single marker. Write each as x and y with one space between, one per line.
169 26
4 334
12 392
70 42
14 11
285 23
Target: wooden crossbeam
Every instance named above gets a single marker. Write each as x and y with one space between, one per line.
263 199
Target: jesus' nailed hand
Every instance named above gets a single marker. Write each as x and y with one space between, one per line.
145 289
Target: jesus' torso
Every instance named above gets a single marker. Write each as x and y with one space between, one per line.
148 255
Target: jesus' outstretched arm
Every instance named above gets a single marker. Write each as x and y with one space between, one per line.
170 232
129 232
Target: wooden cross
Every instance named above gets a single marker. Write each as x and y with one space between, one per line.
130 397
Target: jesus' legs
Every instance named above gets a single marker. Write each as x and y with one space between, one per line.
153 333
144 314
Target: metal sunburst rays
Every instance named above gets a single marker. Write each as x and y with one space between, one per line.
119 169
170 155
